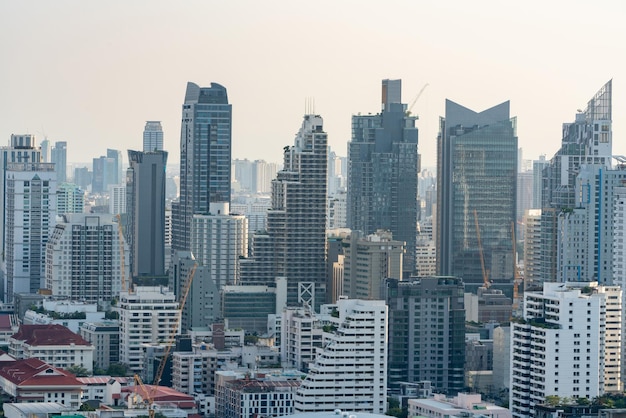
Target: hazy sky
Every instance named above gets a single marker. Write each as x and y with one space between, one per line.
91 73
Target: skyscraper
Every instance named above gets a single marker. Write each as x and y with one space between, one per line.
153 136
59 158
295 243
205 158
145 208
30 212
476 184
586 141
115 175
383 170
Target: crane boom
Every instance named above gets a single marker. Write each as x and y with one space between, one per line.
480 251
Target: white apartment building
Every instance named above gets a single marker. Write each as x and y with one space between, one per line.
83 259
301 336
70 198
350 371
149 314
117 199
563 346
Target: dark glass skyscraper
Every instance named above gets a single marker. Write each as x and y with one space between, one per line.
205 158
382 172
476 183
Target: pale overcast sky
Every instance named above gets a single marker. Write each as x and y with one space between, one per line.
91 73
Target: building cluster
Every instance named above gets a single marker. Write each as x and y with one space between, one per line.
325 285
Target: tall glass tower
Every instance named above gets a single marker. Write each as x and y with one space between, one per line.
153 136
205 158
476 195
383 170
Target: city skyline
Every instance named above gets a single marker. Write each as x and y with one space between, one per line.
147 52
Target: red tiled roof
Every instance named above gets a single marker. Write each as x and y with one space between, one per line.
5 321
34 372
51 334
163 394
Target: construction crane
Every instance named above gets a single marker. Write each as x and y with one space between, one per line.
408 112
486 282
120 233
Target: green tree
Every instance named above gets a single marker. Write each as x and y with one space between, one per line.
117 369
78 371
86 407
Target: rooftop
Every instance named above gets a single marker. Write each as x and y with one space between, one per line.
34 372
50 334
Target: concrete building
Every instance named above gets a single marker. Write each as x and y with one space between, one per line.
295 244
83 260
153 136
103 174
463 405
426 332
368 261
586 141
30 210
248 306
205 158
383 169
300 337
105 337
350 371
115 176
572 351
70 198
147 315
476 183
145 199
117 199
254 209
54 344
532 247
218 240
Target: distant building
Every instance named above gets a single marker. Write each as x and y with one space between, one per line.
54 344
350 371
70 198
153 136
115 176
117 199
59 159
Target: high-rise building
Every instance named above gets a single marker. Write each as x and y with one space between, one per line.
102 174
568 345
218 241
115 176
117 199
350 371
383 170
368 261
70 199
30 199
532 247
45 151
205 158
476 184
295 243
586 141
426 332
538 166
145 209
58 156
153 136
83 258
147 315
82 177
21 149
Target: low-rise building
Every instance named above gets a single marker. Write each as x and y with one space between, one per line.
54 344
463 405
105 337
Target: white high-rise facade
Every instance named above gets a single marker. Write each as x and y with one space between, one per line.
30 211
567 344
350 371
70 198
147 315
83 258
117 199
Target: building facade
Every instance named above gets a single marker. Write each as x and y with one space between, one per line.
205 157
153 136
383 170
58 156
70 198
476 195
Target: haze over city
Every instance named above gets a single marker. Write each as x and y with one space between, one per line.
91 74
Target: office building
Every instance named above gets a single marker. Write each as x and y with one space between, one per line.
102 175
105 337
147 315
70 198
30 199
218 241
586 141
205 158
368 261
564 345
476 195
82 177
59 159
538 166
350 371
145 209
115 176
426 332
83 258
383 170
152 136
45 151
294 246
